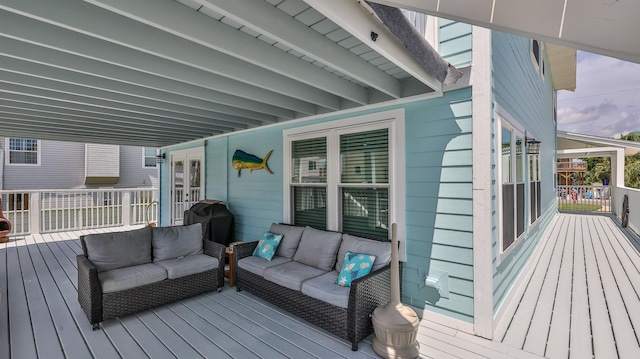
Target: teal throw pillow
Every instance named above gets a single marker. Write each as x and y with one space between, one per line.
355 265
267 245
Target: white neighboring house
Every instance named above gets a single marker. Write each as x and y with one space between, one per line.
30 164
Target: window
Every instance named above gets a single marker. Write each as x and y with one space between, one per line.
534 192
513 185
342 177
149 157
22 151
537 56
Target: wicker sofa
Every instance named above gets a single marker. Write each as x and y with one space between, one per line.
301 278
125 272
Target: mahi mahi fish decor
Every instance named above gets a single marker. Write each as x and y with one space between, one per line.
243 160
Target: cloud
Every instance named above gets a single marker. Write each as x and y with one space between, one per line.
607 98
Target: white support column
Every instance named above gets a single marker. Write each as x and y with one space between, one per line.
617 177
126 208
482 203
34 212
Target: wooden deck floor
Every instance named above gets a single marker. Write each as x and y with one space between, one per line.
40 318
582 300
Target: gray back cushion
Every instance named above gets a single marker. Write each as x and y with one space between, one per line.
178 241
382 250
109 251
318 248
290 241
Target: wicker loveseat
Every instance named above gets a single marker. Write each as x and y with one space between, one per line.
301 278
125 272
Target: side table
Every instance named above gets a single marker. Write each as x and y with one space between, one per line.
231 272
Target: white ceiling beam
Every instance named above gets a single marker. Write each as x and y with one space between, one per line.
72 98
91 124
93 37
263 17
47 111
91 86
203 85
175 18
353 17
88 95
29 101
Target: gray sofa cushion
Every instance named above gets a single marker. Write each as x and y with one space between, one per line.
318 248
114 250
177 241
257 265
119 279
325 288
181 267
290 241
291 274
382 250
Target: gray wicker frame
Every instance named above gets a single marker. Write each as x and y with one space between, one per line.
100 306
352 323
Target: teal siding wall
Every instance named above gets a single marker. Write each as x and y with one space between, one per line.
455 42
520 90
438 204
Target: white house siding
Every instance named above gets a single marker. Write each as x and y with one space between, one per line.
132 170
61 166
521 92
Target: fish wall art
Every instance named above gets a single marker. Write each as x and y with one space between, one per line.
242 160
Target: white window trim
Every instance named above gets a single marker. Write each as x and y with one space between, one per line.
144 158
394 121
7 155
516 128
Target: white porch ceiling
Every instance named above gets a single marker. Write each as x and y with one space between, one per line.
607 27
160 72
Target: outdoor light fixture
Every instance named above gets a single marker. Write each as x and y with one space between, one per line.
160 158
374 36
533 146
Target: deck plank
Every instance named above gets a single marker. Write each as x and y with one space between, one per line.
604 346
178 345
558 341
620 297
536 338
580 345
150 344
517 333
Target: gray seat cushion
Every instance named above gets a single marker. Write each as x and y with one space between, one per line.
119 279
291 274
257 265
177 241
181 267
325 288
290 241
353 244
114 250
318 248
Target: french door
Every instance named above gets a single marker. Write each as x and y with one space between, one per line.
187 181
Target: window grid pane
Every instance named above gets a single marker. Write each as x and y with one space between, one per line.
306 152
23 151
365 212
365 157
310 207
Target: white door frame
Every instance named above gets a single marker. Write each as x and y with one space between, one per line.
185 202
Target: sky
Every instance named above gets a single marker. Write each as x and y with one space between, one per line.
607 98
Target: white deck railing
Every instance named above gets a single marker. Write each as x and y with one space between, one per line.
584 198
41 211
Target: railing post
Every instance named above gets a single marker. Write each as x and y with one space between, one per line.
34 212
126 208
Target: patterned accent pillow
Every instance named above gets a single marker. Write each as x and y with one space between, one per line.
268 245
355 265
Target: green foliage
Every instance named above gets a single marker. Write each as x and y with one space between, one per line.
579 207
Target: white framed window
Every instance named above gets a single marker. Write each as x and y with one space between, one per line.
537 56
535 195
149 157
22 151
347 175
512 191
